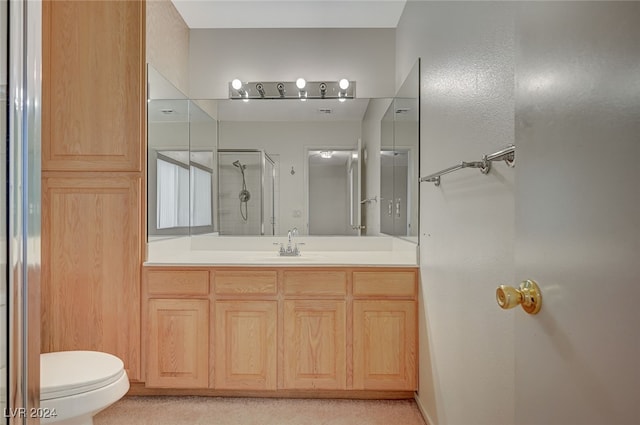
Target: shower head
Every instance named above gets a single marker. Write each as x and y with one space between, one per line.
239 165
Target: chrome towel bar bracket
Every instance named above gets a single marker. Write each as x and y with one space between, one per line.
507 155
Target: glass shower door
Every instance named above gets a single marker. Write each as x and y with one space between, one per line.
4 35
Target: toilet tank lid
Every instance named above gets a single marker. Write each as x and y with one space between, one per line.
65 373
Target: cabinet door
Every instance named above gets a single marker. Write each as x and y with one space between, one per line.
384 345
245 348
314 344
91 266
93 85
178 350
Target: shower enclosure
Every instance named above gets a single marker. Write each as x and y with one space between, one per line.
20 152
246 192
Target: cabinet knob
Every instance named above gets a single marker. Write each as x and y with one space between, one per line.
527 295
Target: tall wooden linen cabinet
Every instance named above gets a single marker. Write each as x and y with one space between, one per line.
93 176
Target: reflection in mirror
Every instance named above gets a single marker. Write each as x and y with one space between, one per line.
203 134
246 192
286 130
333 194
181 162
386 172
279 181
399 160
168 167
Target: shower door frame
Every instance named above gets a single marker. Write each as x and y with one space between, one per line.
24 209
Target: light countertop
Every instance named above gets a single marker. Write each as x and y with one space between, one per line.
365 251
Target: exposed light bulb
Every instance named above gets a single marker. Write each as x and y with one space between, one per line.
326 154
236 84
301 83
344 84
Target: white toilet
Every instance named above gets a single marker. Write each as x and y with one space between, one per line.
76 385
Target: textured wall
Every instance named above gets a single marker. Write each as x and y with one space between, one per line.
466 224
168 43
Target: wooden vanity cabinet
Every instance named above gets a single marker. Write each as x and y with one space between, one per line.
319 330
177 324
244 328
315 330
178 337
384 330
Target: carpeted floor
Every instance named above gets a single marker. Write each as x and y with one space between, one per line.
257 411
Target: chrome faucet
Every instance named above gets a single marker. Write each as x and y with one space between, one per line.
292 249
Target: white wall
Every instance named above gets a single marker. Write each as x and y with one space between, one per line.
287 144
217 56
467 233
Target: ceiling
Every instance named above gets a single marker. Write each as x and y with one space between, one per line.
290 13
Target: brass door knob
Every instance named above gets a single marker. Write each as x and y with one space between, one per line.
527 295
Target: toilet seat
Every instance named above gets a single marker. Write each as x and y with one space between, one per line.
67 373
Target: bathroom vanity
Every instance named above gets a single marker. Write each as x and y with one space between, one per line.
302 329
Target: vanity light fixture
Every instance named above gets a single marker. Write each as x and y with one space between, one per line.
236 84
299 89
344 85
301 84
326 154
323 89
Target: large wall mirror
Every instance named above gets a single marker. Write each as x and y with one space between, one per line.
263 167
288 163
181 165
399 161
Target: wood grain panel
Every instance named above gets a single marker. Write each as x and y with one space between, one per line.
90 265
177 282
178 355
315 344
93 85
245 282
245 345
315 282
378 283
384 345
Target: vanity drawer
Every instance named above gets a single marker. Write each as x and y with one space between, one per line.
391 283
246 282
178 282
315 282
